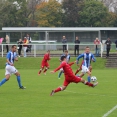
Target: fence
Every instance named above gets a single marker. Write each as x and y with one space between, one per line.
38 50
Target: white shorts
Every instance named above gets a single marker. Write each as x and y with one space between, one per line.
10 70
84 69
61 69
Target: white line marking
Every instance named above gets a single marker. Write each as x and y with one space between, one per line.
88 93
110 111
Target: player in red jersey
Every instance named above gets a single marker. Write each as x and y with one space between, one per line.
69 76
45 63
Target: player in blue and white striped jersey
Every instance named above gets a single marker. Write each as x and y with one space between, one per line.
87 58
10 69
67 58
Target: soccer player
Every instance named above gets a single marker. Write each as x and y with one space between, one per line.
69 77
45 63
68 59
10 68
80 68
87 58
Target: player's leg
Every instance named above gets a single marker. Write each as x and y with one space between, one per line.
40 70
42 67
47 67
90 68
60 73
79 79
65 84
86 70
89 76
88 83
75 51
19 80
7 75
78 70
5 79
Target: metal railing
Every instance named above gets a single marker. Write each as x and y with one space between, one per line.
56 49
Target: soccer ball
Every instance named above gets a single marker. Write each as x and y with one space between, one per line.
93 78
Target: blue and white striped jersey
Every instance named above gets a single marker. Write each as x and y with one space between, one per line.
87 57
11 57
67 57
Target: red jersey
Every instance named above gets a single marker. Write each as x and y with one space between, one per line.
66 67
46 58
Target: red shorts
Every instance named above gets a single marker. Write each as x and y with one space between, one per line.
44 64
71 79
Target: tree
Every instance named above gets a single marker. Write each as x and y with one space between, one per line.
94 14
48 14
71 12
18 13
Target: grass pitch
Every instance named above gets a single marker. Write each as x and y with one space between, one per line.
77 101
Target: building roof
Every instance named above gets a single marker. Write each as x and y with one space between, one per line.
56 29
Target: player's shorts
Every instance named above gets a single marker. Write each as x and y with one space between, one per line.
44 64
84 69
71 79
61 69
10 70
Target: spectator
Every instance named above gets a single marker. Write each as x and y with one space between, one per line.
1 40
29 40
77 42
7 43
64 41
25 44
116 44
108 47
97 44
20 42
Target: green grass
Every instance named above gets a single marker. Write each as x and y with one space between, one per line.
34 63
77 101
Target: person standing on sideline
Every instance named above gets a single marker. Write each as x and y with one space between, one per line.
97 44
19 47
25 44
10 69
1 40
29 40
108 47
64 41
77 42
116 44
7 42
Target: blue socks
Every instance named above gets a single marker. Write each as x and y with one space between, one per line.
19 81
88 79
3 81
60 73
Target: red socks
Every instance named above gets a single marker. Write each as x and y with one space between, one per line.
57 90
39 71
44 70
77 71
88 83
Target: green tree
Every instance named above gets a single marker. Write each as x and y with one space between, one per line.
71 12
49 14
94 14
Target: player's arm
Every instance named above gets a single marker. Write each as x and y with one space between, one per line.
93 58
72 63
61 66
8 57
78 58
